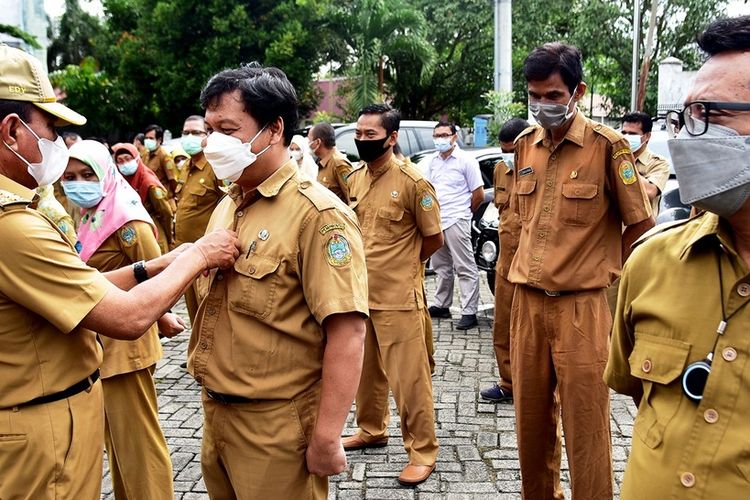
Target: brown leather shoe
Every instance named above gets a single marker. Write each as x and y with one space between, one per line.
357 443
413 475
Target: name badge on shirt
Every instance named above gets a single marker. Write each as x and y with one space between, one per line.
525 171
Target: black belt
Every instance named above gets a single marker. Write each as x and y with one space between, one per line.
551 293
228 399
83 385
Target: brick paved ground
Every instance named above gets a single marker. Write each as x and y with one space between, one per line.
478 456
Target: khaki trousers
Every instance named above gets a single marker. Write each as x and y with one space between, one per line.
501 329
396 357
53 450
427 326
561 343
257 450
138 456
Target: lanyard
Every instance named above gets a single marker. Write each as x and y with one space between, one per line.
724 318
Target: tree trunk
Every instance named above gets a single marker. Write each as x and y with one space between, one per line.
381 79
648 55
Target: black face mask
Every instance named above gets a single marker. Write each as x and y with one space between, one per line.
371 150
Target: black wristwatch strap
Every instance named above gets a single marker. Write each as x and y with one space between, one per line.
139 271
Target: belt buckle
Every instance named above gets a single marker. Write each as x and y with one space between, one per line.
550 293
91 384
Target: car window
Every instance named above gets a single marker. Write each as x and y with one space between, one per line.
487 166
424 136
408 142
345 144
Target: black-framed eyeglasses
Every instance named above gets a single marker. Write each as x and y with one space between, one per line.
696 116
199 133
442 136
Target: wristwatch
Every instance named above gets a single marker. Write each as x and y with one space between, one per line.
139 271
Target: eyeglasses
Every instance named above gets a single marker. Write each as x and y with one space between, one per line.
442 136
199 133
696 116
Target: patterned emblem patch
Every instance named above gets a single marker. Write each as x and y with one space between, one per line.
627 172
128 235
338 251
620 153
427 202
159 193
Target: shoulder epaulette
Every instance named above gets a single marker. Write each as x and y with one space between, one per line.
8 198
411 172
661 228
611 134
317 194
526 131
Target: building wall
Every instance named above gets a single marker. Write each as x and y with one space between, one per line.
30 16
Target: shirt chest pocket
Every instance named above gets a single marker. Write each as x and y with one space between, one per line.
526 199
580 203
253 287
389 223
658 363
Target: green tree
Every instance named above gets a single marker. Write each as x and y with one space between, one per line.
16 32
73 41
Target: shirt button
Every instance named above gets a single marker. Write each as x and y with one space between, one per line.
553 157
211 311
252 269
711 416
687 479
646 366
743 289
541 234
240 213
204 345
550 183
729 354
536 258
219 277
546 208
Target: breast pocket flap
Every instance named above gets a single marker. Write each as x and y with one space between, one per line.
658 360
577 191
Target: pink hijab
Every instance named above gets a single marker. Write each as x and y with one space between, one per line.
120 204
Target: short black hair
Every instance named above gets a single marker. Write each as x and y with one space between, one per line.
326 134
21 108
158 131
266 93
512 129
451 126
139 137
555 57
390 118
639 117
725 35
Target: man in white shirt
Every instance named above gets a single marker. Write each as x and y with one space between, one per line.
460 190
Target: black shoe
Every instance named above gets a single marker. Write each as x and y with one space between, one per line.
497 394
183 365
439 312
467 321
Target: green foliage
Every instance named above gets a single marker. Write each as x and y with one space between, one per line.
16 32
324 117
73 41
502 107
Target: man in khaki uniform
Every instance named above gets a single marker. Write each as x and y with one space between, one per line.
685 297
278 340
400 219
197 197
654 169
334 166
51 412
158 159
509 230
575 185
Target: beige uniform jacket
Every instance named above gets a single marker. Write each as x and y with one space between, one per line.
667 315
158 206
161 163
258 330
397 208
133 242
333 174
572 201
655 169
509 228
45 292
196 200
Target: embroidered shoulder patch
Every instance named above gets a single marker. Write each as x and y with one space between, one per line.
128 236
627 172
6 197
620 153
159 193
330 227
338 251
426 201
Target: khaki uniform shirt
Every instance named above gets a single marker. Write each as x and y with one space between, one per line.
667 315
655 169
334 172
161 163
509 228
573 201
132 242
258 330
157 205
45 292
397 207
196 200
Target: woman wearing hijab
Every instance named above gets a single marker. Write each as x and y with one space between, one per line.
116 231
300 152
153 194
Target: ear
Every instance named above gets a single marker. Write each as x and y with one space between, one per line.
393 139
9 128
645 137
580 91
277 131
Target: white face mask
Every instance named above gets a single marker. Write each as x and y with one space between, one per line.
129 168
228 156
713 170
296 155
55 158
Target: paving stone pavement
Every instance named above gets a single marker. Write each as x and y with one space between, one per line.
478 455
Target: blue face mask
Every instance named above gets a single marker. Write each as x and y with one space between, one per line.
192 144
129 168
634 140
85 194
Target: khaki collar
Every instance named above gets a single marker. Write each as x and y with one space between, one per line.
16 190
574 134
200 163
268 188
712 230
391 163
